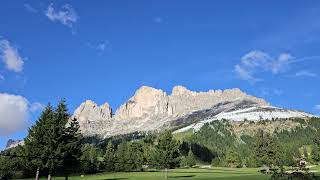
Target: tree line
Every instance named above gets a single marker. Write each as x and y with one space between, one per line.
54 146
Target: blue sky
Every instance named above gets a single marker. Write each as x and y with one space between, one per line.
105 50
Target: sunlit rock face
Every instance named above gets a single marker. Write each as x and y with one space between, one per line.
13 143
151 109
147 101
150 102
92 118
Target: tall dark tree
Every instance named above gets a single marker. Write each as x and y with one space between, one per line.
267 150
109 157
134 156
35 142
72 147
166 154
56 142
121 157
89 159
53 142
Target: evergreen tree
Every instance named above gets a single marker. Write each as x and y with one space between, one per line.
72 147
316 147
109 157
134 156
267 150
190 159
166 154
56 138
89 159
36 142
121 160
233 159
54 144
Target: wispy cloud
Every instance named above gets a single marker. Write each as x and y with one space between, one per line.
317 108
29 8
101 46
66 15
36 107
257 61
245 74
1 77
10 56
304 73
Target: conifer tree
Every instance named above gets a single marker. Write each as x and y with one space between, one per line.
267 150
35 142
55 137
89 159
72 147
190 159
109 157
53 142
166 154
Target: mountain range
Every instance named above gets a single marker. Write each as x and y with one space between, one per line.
151 109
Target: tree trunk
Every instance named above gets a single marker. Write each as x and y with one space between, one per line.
166 173
49 176
37 174
67 177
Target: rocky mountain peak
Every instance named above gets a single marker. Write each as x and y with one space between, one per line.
180 90
90 116
150 108
146 100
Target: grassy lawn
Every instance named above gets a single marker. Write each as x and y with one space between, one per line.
192 174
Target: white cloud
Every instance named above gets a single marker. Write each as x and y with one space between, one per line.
317 107
13 113
66 15
36 107
256 62
281 64
244 74
29 8
1 77
10 56
304 73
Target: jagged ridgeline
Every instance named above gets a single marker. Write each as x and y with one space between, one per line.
152 110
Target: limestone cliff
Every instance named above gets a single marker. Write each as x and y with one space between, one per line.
150 109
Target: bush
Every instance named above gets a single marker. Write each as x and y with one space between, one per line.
294 176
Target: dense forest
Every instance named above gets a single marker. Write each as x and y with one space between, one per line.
54 146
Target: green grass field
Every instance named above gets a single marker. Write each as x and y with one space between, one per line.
192 174
188 174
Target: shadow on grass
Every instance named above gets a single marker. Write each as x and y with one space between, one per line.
217 172
186 176
114 178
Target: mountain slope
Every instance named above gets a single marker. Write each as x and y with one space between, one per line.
242 111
